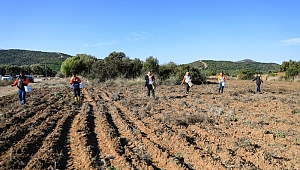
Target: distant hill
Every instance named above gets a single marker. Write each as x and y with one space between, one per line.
53 60
246 60
27 57
233 68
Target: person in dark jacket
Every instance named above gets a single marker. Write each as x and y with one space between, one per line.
258 80
149 83
21 82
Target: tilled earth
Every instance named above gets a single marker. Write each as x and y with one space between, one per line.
119 127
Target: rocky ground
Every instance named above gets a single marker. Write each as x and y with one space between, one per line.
119 127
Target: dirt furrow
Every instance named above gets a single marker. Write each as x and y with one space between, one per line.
200 142
54 154
84 151
18 156
20 130
185 159
20 115
11 117
184 147
129 144
108 145
140 145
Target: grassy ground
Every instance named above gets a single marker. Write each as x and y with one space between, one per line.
6 82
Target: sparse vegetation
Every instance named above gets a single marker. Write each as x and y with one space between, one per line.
280 134
116 126
295 111
111 168
6 82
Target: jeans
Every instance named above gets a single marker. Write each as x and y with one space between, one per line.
76 92
220 88
187 87
150 88
258 88
22 96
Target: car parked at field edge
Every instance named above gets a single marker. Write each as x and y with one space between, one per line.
31 79
6 77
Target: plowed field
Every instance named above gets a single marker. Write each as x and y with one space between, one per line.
119 127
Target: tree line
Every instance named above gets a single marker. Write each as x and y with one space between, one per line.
118 65
291 68
34 69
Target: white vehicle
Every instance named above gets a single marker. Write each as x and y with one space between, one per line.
6 77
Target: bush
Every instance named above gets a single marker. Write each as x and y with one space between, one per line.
197 76
246 74
291 72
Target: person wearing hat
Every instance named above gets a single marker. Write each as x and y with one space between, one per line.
21 82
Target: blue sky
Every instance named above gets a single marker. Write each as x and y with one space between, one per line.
181 31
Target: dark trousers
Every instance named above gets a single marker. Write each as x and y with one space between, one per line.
150 88
220 88
187 87
258 88
76 92
22 96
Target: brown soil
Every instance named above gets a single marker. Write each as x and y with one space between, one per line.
119 127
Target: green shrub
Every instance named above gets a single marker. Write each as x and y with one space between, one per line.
295 111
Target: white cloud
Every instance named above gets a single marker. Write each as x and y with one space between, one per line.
292 41
101 44
138 36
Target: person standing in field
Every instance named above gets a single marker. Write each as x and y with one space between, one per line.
221 82
150 84
187 79
21 82
258 80
75 82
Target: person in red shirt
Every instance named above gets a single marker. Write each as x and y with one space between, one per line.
75 82
21 82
